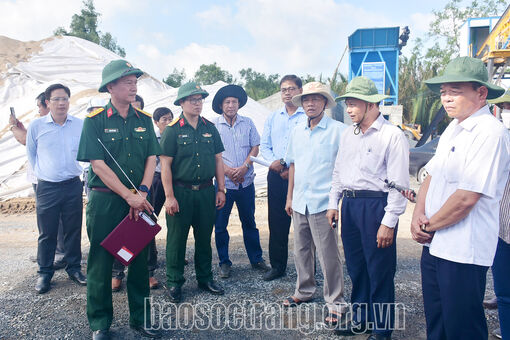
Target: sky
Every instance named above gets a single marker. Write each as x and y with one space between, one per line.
270 36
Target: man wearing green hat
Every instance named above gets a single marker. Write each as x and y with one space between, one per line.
456 216
191 157
128 134
371 151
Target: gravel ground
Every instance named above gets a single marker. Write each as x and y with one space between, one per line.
250 309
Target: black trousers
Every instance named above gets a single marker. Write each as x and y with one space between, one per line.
279 221
55 202
59 252
157 200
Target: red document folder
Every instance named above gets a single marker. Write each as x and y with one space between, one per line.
130 237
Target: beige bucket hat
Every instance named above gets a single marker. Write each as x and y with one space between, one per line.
315 87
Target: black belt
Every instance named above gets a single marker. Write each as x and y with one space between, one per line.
77 178
363 193
194 187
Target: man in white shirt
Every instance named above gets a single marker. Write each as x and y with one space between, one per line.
457 209
372 150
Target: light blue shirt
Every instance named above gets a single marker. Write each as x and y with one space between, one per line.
277 129
313 153
52 148
238 141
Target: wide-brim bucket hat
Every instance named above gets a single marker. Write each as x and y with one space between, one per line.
315 87
503 99
463 70
189 89
362 88
117 69
235 91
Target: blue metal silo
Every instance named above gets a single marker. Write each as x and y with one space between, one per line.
373 52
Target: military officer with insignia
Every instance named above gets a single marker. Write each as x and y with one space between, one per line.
191 157
128 134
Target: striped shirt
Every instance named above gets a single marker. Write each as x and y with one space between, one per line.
238 141
504 214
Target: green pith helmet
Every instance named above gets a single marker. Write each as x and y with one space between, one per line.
189 89
463 70
503 99
117 69
362 88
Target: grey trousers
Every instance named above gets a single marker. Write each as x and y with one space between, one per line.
314 236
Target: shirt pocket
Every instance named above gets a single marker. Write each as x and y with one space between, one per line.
207 145
184 146
140 142
454 165
324 153
113 142
371 159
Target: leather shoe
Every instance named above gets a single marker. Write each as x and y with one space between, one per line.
116 284
57 265
379 337
149 333
79 278
211 287
43 284
153 283
102 334
491 303
175 294
350 328
261 266
273 274
225 270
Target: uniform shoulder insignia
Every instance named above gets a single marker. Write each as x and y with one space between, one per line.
173 122
142 111
95 112
205 120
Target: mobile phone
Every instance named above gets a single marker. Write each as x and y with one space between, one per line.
13 114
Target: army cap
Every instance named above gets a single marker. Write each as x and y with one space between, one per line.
463 70
362 88
189 89
117 69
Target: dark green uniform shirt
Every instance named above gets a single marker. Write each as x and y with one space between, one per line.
193 151
129 140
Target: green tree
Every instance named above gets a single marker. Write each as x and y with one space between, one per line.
85 26
421 104
175 78
257 85
210 74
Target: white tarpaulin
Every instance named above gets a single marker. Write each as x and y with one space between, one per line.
78 64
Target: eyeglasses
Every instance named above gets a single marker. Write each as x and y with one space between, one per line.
59 99
288 89
195 101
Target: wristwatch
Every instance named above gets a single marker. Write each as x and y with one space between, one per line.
247 165
282 162
144 188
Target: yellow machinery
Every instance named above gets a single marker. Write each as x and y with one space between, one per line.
495 51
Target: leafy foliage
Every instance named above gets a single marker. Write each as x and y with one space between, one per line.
210 74
85 26
176 78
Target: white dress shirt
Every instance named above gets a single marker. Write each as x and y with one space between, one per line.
365 160
472 156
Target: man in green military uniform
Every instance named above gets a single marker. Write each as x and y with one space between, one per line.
129 136
191 157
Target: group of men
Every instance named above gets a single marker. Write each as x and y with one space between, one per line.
314 163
